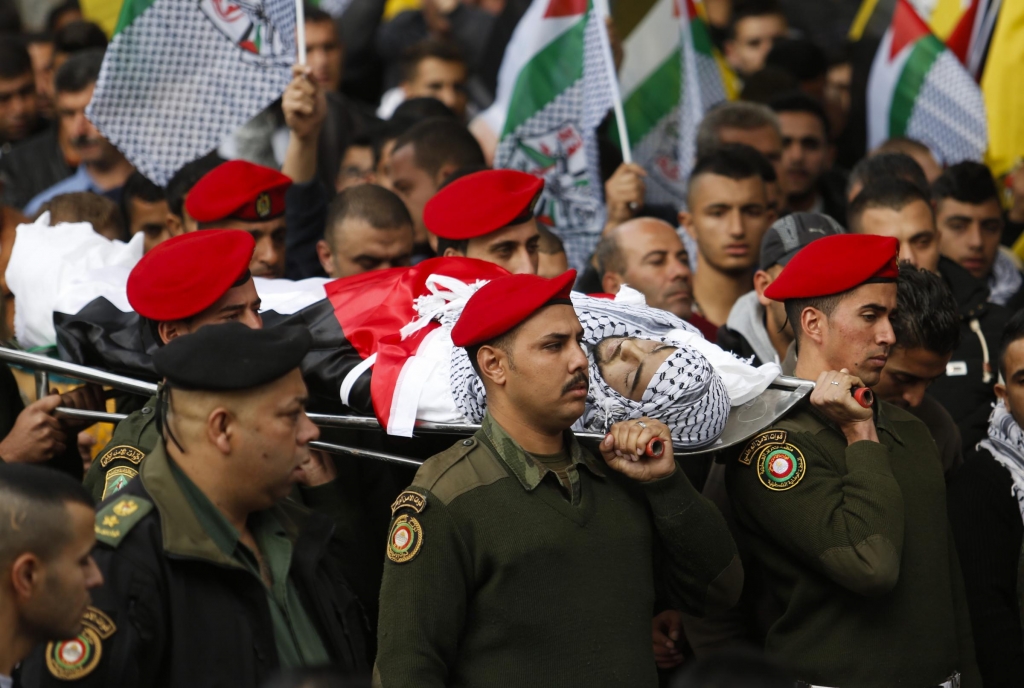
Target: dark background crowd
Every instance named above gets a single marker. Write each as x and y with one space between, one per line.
383 118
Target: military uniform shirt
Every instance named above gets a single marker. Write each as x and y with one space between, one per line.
297 640
119 462
856 550
497 575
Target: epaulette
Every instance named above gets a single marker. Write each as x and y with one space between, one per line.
117 518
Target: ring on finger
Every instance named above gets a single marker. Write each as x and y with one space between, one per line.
834 382
642 424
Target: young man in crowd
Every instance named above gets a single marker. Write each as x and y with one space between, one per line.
727 218
807 156
647 255
757 328
430 69
368 228
19 108
843 507
594 528
753 28
894 207
422 159
102 169
986 516
750 124
46 570
927 328
970 221
144 208
503 230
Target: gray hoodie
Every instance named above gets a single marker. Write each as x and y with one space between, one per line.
747 319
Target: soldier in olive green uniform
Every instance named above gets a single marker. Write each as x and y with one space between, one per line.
843 504
516 558
196 279
212 580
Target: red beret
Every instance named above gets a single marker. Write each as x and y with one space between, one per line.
186 274
503 303
240 190
834 264
481 203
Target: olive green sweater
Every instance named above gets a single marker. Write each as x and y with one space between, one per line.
498 576
857 551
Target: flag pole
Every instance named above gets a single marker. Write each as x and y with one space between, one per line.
300 32
601 8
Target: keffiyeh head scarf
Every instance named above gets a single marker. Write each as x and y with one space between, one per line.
1005 442
685 393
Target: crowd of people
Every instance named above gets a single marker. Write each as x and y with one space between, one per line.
855 542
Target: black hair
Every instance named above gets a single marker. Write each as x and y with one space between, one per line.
1014 331
967 182
388 130
14 58
315 15
744 9
381 208
798 101
186 177
733 161
140 187
887 165
766 83
37 37
424 107
80 71
10 18
78 36
445 51
893 193
54 15
799 57
763 165
926 313
441 141
32 509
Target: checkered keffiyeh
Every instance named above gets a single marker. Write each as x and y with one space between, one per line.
173 85
685 393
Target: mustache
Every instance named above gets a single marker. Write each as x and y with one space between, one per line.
578 379
79 141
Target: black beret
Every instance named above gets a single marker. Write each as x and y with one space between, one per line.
231 356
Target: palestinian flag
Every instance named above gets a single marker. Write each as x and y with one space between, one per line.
919 89
553 92
179 76
671 75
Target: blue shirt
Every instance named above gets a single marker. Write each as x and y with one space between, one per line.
79 181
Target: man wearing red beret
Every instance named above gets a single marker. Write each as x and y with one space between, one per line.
240 195
184 283
512 547
843 505
488 215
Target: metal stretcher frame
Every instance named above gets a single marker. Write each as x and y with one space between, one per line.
744 421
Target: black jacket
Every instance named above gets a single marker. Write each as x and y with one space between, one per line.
734 342
988 530
966 389
31 167
184 614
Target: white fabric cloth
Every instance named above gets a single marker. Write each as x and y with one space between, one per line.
47 262
1005 442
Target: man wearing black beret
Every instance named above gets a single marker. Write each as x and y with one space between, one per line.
212 577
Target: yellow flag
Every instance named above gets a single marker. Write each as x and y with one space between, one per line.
102 12
1001 86
946 16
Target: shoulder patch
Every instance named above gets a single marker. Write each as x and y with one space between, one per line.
780 467
116 480
123 452
405 539
73 659
411 500
760 440
117 518
465 466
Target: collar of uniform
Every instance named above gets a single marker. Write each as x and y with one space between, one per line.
529 472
